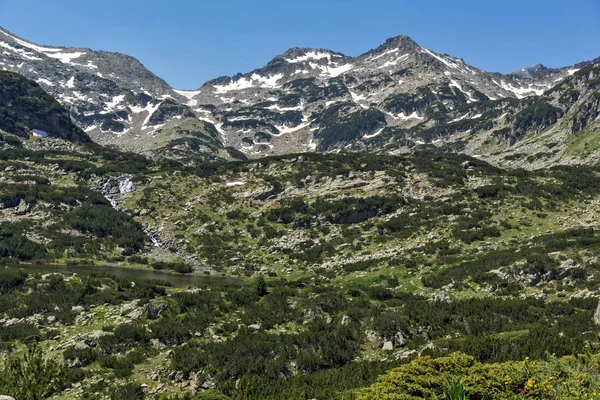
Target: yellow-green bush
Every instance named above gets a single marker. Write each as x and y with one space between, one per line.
565 378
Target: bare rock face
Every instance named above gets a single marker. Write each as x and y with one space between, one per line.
388 346
597 315
23 208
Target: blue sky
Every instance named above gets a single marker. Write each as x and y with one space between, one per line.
189 42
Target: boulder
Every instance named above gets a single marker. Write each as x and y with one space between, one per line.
388 346
77 309
442 297
23 208
399 340
155 309
597 315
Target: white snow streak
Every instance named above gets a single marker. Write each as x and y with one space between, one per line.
448 63
276 107
45 81
357 97
66 57
32 46
286 129
331 70
373 135
25 54
384 54
188 94
311 55
236 183
403 117
254 81
150 109
116 100
520 92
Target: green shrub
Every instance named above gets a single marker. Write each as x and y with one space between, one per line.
32 377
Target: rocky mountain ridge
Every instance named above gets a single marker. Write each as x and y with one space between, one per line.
390 99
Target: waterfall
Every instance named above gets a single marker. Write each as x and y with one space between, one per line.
123 185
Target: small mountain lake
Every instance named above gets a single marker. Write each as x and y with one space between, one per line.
177 280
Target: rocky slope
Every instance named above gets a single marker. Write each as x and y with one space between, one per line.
389 99
27 110
113 97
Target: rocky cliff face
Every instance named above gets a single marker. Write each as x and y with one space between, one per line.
389 99
25 109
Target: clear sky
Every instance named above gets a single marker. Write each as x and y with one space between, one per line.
189 42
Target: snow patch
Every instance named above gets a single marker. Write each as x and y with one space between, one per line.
572 71
188 94
403 117
116 100
384 54
455 84
150 109
236 183
267 81
286 129
39 133
31 46
394 62
276 107
65 57
332 72
24 53
521 92
245 83
357 97
459 118
45 82
311 55
218 126
444 60
374 134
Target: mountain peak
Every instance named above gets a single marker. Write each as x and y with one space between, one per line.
402 42
536 68
531 72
